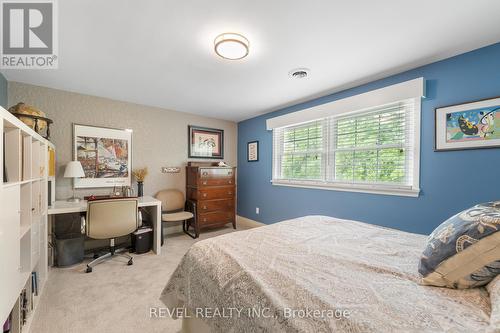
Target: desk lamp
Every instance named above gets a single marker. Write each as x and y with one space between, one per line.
74 170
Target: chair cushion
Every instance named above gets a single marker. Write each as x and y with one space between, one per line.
179 216
171 199
464 251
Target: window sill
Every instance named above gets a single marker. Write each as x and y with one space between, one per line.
359 188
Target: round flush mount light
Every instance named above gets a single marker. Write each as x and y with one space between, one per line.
299 73
231 46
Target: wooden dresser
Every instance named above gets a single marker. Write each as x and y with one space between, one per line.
212 190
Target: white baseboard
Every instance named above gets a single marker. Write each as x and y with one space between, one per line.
176 227
243 221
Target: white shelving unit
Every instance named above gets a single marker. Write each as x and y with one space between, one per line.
24 182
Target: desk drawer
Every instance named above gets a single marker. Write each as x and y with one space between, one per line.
215 205
225 192
215 218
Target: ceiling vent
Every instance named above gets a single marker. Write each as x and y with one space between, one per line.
299 73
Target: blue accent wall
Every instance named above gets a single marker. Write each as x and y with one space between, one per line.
450 181
3 91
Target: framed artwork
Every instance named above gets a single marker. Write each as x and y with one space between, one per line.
253 151
468 126
105 155
205 142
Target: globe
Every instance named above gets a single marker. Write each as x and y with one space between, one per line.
22 108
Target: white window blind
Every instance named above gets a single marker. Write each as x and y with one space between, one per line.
374 146
371 151
300 152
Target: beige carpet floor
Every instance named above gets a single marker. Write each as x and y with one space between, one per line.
114 297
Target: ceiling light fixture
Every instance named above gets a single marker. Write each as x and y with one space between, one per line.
231 46
299 73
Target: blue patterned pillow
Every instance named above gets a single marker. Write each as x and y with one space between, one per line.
464 251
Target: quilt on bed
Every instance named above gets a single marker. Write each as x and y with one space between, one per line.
348 276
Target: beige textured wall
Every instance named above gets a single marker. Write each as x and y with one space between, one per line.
159 137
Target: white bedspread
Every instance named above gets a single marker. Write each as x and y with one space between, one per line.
356 277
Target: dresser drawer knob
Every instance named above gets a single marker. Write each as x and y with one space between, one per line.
229 192
205 173
230 182
204 207
205 182
204 195
204 219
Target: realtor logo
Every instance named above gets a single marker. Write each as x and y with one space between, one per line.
29 34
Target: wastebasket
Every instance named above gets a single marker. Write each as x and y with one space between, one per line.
69 249
142 240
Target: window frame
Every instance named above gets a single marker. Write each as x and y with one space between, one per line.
330 183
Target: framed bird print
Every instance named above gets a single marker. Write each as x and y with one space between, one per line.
205 142
468 126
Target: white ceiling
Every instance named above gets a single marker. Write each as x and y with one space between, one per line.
160 53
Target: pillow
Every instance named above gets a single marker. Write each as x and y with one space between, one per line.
464 251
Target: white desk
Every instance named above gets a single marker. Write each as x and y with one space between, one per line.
154 205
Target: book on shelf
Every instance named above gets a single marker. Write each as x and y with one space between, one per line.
24 307
34 283
8 324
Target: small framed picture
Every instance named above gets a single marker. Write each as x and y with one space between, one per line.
205 142
253 151
471 125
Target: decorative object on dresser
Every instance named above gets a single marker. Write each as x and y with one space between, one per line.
212 190
253 151
468 126
105 154
140 176
74 170
205 142
32 117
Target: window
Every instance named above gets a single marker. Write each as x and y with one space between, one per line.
301 151
374 151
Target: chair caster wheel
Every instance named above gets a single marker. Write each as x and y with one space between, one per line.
89 270
130 262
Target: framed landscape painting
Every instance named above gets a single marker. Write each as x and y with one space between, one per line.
205 142
468 126
105 155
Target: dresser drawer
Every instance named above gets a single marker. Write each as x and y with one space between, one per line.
225 192
215 205
215 181
216 173
215 218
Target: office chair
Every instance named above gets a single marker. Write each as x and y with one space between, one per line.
109 219
175 208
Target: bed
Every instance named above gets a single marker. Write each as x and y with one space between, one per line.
320 274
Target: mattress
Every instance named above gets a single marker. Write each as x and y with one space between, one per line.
319 274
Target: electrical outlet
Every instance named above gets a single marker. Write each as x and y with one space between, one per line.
257 210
